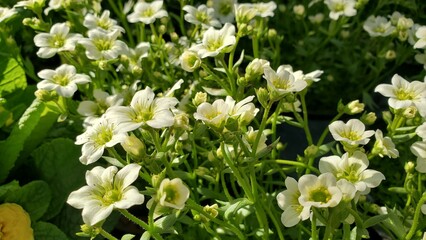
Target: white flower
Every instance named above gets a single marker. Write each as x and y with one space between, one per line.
353 132
244 110
265 9
135 56
421 131
95 139
63 80
202 15
320 192
31 4
6 13
104 22
92 110
384 146
282 81
190 61
103 45
341 7
424 212
378 26
250 137
106 190
313 76
144 110
256 68
347 188
352 168
419 150
421 58
421 36
216 41
146 12
214 114
57 40
173 193
224 10
244 12
288 200
403 94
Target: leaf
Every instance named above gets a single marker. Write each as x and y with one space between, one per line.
14 144
48 231
239 61
12 75
12 186
375 220
146 236
166 223
127 237
235 205
34 197
57 163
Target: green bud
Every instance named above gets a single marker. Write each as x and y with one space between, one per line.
262 96
134 147
410 112
46 96
200 97
409 167
311 151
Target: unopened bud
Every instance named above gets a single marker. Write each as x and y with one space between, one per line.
410 112
390 55
409 167
262 96
368 118
354 107
190 61
211 210
162 29
272 34
345 34
299 10
103 65
311 151
174 37
200 97
134 147
88 231
46 96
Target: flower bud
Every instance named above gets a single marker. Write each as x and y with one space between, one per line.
190 61
162 29
311 151
88 231
409 167
368 118
410 112
345 34
262 96
174 37
134 147
200 97
272 34
45 95
211 210
354 107
390 55
317 18
299 10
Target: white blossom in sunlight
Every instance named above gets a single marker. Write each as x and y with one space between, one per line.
421 36
57 40
419 150
224 10
190 61
93 21
319 191
244 110
282 81
103 134
146 12
403 94
6 13
107 189
352 132
63 80
352 168
216 41
214 114
384 146
93 110
378 26
288 200
144 110
103 45
134 57
313 76
244 12
341 8
173 193
201 15
265 9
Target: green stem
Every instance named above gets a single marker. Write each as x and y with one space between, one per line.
314 231
305 118
107 235
194 206
134 219
326 130
416 218
293 163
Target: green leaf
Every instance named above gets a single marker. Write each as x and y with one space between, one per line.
48 231
57 163
34 197
12 186
127 237
235 205
146 236
14 144
12 74
375 220
166 223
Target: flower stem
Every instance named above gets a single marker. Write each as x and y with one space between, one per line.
416 218
107 235
134 219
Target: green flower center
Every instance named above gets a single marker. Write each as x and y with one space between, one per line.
225 8
350 174
103 44
61 80
103 24
402 94
103 136
57 41
111 196
214 44
172 196
201 16
149 12
351 135
280 83
320 194
340 7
